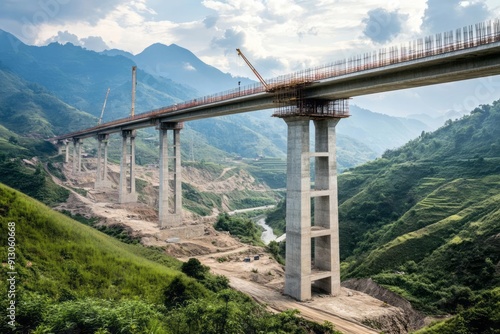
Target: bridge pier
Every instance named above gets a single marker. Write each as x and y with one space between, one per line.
167 218
126 192
77 155
63 147
102 162
301 271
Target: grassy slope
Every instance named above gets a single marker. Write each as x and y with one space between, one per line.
68 256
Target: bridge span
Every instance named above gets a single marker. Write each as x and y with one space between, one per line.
319 94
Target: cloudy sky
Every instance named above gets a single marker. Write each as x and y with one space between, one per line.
279 36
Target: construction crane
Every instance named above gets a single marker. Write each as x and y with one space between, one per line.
103 107
261 79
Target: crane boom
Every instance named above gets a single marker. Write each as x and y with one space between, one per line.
103 107
261 79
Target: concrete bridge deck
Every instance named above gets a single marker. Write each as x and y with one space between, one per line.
341 80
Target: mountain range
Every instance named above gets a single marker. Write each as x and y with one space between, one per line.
78 79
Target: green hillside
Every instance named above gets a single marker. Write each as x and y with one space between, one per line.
424 220
30 110
71 278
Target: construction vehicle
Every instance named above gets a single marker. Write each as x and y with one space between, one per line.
103 107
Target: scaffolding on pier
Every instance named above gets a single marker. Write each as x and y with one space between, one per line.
289 96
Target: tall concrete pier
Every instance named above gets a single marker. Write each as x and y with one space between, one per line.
77 155
63 147
168 217
101 180
126 192
301 270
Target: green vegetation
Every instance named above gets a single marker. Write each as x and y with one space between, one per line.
31 109
277 250
276 218
482 318
31 180
243 228
72 278
201 203
271 171
422 220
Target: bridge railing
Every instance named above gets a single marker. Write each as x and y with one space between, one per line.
459 39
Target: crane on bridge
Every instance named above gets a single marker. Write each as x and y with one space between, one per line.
103 107
261 79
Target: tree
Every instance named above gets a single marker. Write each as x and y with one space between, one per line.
194 268
13 140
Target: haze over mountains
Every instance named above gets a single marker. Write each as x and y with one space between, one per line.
79 78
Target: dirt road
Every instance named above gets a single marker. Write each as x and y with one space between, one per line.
276 301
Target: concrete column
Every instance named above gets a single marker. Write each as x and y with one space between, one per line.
300 271
163 207
77 155
79 169
98 178
63 147
101 180
298 210
106 161
132 165
170 217
126 192
177 173
66 153
326 252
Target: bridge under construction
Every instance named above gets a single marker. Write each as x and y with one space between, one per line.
320 95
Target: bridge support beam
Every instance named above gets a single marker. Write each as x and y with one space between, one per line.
167 217
63 148
301 270
102 162
126 192
77 155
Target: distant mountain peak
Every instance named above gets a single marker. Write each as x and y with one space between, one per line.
9 41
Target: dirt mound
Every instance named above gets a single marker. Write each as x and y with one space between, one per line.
410 319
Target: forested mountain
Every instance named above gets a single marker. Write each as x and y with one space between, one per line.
80 78
379 132
424 219
31 110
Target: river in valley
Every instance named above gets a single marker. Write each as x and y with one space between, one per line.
268 234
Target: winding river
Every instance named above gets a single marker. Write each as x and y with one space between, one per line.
268 234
